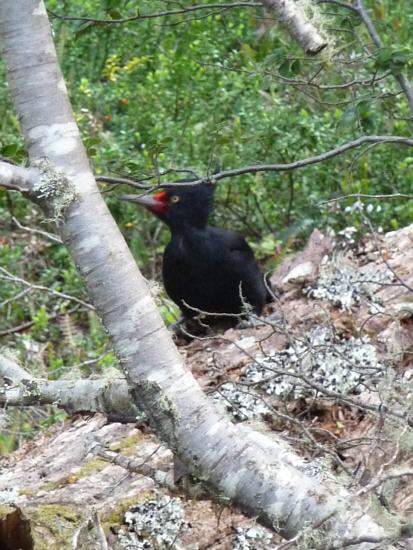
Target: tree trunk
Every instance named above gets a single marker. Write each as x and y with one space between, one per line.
263 476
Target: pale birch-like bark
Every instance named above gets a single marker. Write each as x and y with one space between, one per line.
17 178
104 395
74 396
262 475
297 24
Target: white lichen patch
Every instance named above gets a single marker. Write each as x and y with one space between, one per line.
242 403
320 361
54 190
154 524
346 286
9 496
155 288
315 365
317 469
252 538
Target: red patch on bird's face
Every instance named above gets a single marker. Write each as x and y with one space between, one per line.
163 206
161 196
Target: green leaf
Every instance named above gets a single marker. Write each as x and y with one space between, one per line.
10 150
393 58
360 111
114 13
284 69
41 318
289 68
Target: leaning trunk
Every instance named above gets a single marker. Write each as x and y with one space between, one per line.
263 476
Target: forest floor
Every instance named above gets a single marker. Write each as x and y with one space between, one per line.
329 369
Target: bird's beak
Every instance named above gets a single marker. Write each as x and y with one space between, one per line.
157 204
145 200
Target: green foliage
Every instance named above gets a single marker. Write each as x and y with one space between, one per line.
394 57
40 319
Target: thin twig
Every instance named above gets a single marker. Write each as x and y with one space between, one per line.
49 236
13 278
367 196
169 13
298 164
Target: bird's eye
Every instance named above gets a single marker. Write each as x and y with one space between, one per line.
174 199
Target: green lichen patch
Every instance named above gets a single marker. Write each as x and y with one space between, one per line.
91 467
4 510
52 486
53 191
60 483
27 491
51 526
128 446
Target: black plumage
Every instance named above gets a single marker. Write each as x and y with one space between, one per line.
205 269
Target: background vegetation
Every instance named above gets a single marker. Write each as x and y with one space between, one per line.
214 89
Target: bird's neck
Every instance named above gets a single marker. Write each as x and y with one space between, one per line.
184 228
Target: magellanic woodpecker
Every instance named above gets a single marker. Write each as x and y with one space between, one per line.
205 269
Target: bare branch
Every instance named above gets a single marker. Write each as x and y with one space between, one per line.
357 541
17 296
27 324
140 183
10 277
381 477
50 236
170 13
383 256
11 371
122 181
298 25
367 196
304 162
299 82
375 140
163 477
107 396
288 14
340 4
16 178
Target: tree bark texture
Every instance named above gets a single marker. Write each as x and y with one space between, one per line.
297 24
108 396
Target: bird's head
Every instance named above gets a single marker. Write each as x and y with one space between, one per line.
181 205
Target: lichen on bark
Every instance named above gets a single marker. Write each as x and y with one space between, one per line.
53 191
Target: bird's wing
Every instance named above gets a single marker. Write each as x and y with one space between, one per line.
234 242
242 255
